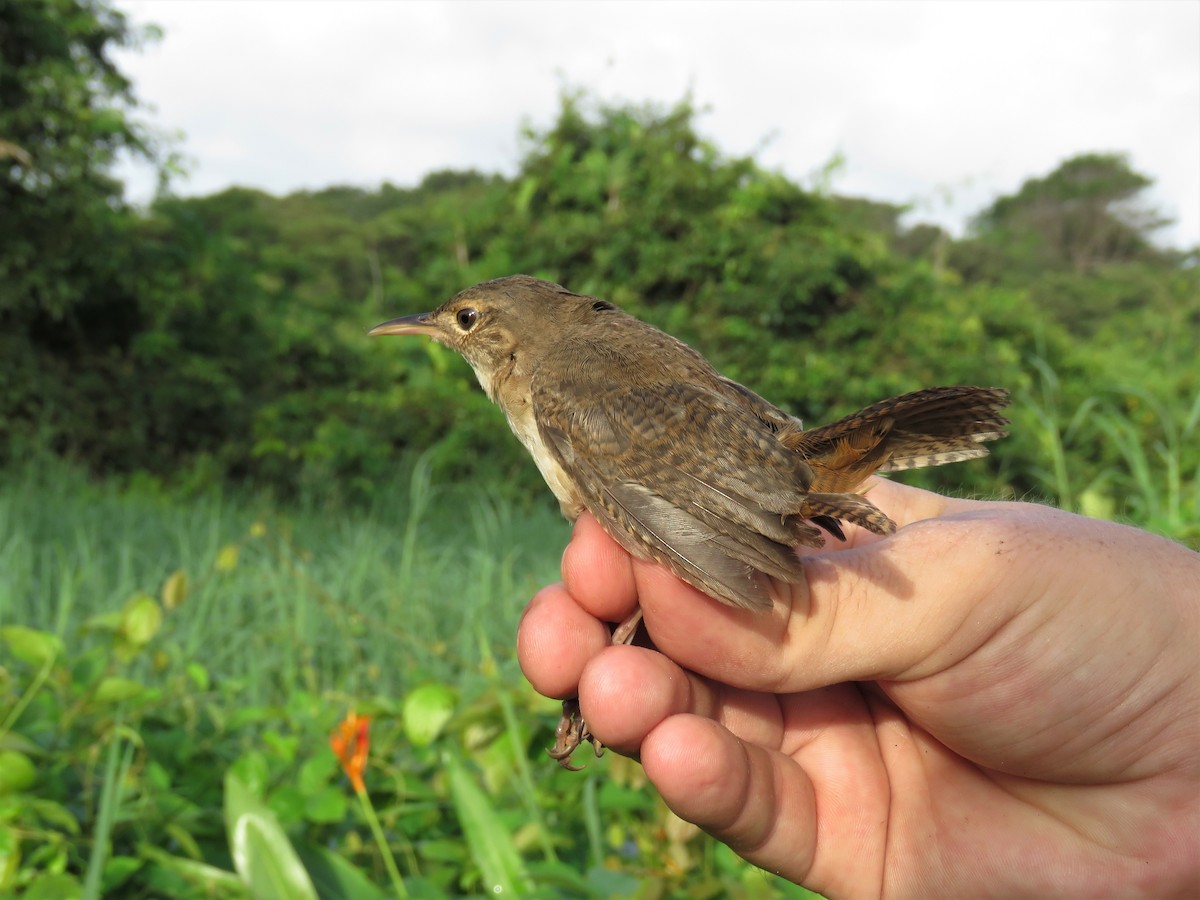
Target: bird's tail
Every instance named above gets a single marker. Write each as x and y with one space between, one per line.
925 428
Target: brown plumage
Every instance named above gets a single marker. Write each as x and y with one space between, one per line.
679 464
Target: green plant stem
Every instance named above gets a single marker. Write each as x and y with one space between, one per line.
116 767
389 861
26 698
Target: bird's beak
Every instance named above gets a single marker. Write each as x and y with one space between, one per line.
421 323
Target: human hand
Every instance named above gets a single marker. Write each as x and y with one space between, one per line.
999 699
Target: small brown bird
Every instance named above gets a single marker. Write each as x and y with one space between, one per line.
679 464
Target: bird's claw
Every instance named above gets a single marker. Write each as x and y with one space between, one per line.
572 731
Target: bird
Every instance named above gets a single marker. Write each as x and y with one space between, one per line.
679 464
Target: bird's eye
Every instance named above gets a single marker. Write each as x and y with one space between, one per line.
466 318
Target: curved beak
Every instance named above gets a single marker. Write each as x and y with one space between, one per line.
421 323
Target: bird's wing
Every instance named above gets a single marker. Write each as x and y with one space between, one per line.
684 476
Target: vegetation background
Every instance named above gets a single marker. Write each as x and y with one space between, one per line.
227 518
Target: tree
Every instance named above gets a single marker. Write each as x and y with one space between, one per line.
1084 214
66 113
67 304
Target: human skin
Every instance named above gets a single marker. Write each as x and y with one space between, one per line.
1000 699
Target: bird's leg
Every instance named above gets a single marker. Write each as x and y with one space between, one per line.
572 730
623 633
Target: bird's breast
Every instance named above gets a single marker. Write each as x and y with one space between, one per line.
524 425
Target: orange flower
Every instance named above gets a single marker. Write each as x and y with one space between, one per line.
350 743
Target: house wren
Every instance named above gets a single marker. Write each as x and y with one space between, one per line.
679 464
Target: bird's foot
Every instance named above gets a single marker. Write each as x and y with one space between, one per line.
572 731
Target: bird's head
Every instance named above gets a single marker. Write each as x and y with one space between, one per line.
501 324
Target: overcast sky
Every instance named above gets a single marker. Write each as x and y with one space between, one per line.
943 105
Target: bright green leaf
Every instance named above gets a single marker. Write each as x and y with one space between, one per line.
490 842
427 709
115 689
30 645
262 854
17 772
140 619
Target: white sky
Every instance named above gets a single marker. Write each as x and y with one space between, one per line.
942 104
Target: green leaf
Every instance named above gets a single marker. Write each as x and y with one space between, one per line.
115 689
14 740
283 747
288 804
184 839
262 854
117 871
427 709
174 589
251 771
53 886
56 814
31 646
491 844
10 856
213 881
199 675
334 876
17 772
227 558
327 805
317 772
140 619
607 883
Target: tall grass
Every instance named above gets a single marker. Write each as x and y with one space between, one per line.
346 599
1120 453
274 622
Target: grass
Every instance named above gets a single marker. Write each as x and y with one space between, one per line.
1141 456
156 650
280 598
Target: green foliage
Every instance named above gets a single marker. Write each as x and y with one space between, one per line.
69 303
236 349
66 112
227 342
164 723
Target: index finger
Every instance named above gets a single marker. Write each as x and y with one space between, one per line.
857 615
599 574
